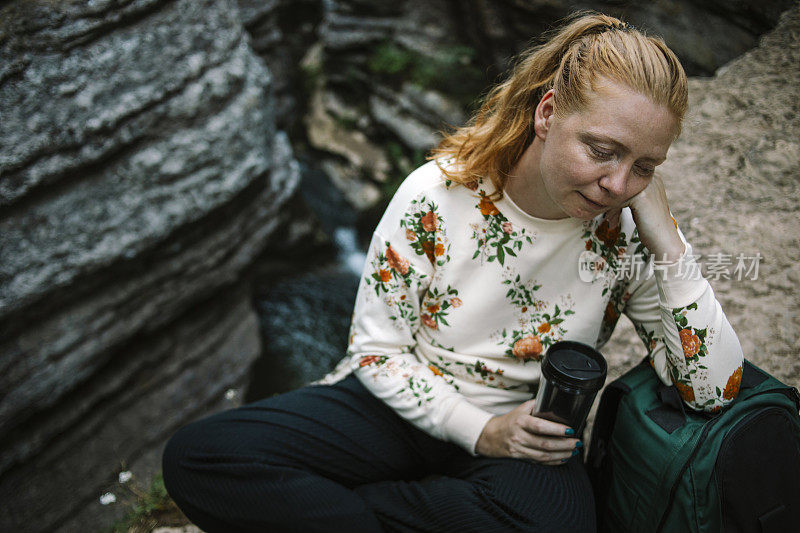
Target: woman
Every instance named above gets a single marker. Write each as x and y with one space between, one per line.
472 273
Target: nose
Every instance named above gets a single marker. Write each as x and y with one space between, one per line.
615 182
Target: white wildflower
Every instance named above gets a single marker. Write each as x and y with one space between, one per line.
125 476
107 498
231 394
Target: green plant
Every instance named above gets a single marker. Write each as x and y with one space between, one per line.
148 509
450 70
390 59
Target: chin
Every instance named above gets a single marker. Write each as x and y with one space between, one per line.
583 214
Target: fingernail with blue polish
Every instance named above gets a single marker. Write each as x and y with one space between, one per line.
570 431
576 451
579 444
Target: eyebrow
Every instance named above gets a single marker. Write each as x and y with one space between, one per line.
592 137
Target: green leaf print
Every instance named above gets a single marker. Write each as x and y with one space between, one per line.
539 329
693 341
436 305
393 277
496 237
648 337
418 388
424 227
477 372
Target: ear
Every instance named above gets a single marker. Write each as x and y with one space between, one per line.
543 116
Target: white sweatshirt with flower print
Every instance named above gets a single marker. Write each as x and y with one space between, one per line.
461 296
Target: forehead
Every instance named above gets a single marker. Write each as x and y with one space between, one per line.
623 116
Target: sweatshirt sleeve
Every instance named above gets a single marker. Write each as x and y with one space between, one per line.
689 340
401 261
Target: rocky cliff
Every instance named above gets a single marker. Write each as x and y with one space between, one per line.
141 175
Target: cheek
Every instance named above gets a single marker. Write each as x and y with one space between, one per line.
636 185
569 166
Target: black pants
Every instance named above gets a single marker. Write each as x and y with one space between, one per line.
335 458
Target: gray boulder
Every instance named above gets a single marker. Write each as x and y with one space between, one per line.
141 175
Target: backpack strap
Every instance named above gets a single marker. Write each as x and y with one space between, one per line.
751 377
670 415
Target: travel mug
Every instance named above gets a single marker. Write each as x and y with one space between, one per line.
572 374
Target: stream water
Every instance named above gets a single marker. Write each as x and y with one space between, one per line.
305 317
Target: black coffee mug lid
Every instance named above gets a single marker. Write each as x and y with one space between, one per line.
575 364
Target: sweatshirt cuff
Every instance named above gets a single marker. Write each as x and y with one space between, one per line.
680 283
464 425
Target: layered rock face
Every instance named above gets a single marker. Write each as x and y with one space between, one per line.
281 32
141 174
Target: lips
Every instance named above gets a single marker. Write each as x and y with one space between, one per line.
593 203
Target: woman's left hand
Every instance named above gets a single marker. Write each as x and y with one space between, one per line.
656 227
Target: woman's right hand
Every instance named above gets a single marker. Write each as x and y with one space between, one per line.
521 435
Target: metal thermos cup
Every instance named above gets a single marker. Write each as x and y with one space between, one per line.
572 374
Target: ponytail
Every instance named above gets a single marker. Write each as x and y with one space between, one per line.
571 59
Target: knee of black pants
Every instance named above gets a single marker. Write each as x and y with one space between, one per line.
174 452
179 448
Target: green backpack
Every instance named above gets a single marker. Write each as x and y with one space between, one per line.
657 467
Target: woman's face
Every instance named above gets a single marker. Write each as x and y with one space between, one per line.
597 159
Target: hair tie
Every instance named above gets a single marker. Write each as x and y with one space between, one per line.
620 26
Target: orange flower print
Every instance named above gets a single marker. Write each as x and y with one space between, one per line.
396 261
507 228
611 314
438 249
607 234
589 244
385 275
433 309
544 328
690 342
428 248
529 347
369 359
430 222
455 302
429 321
435 370
652 345
715 409
410 235
487 207
686 392
734 382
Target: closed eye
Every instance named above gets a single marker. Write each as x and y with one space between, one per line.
597 153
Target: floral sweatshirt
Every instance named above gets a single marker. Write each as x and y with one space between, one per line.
461 296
